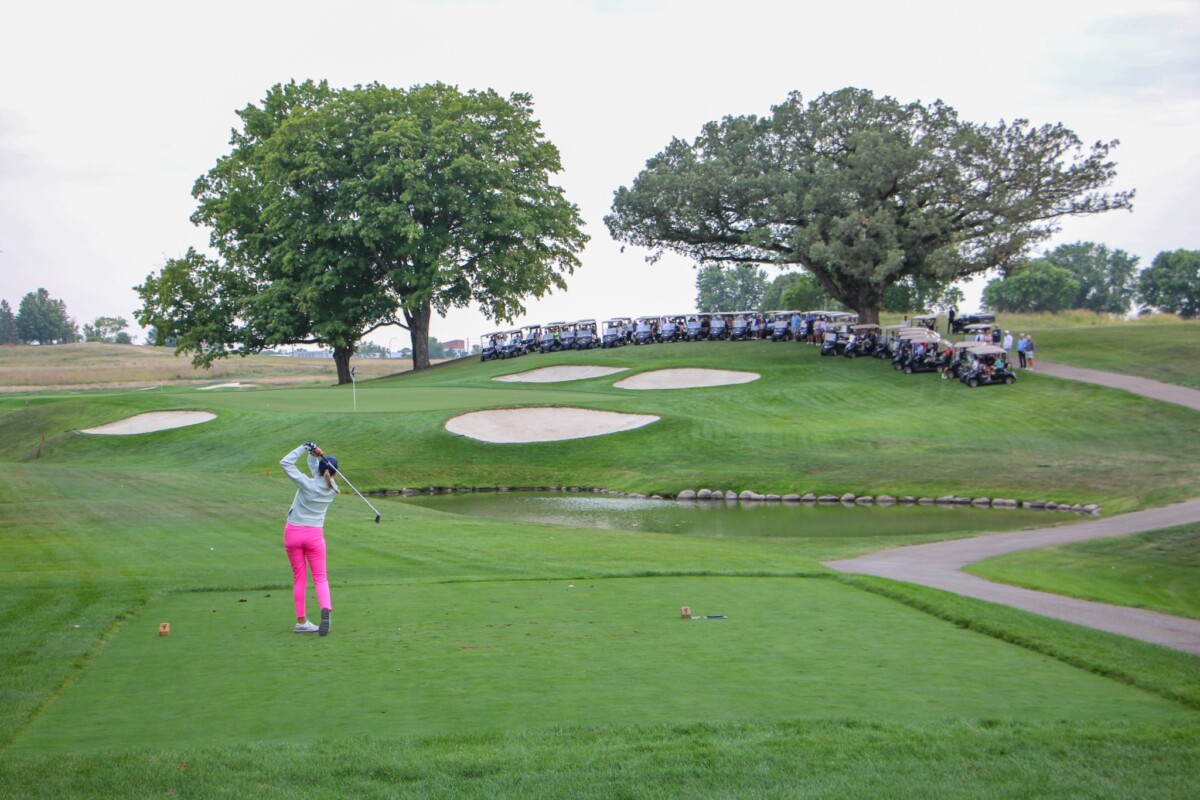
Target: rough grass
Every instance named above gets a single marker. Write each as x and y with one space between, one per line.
1159 570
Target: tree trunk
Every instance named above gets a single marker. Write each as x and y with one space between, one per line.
341 357
418 329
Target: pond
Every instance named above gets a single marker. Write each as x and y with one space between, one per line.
732 518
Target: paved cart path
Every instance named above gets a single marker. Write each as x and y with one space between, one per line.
939 565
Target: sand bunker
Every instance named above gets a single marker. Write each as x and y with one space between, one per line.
152 421
226 386
686 379
512 425
555 374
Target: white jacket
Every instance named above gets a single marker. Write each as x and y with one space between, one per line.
313 494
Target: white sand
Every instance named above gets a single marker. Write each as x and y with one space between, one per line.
555 374
225 386
152 421
686 379
512 425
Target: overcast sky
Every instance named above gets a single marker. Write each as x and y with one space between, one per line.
110 111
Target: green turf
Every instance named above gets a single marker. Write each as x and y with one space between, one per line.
1167 352
916 693
1159 570
465 658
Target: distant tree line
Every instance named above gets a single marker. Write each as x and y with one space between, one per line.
42 319
1082 275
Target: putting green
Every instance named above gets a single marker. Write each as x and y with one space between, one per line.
460 658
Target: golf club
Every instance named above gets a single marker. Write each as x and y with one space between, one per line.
310 446
356 491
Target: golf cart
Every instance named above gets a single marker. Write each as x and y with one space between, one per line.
511 345
781 325
695 328
740 330
616 332
925 355
861 341
989 366
670 328
487 346
959 360
644 330
552 337
914 345
585 334
928 321
971 331
532 337
961 323
837 336
718 327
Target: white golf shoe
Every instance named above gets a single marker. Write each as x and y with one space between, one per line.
306 627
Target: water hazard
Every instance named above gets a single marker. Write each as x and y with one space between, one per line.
732 518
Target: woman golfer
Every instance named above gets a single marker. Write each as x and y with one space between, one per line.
304 535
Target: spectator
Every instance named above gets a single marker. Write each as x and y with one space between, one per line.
1029 351
1008 343
1021 343
950 315
996 336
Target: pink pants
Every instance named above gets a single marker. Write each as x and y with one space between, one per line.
304 542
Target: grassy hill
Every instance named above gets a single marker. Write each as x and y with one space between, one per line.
476 657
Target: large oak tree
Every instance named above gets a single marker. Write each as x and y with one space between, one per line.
338 212
863 192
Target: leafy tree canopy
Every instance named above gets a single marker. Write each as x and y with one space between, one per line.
8 324
1107 278
105 329
1034 286
1172 283
737 288
805 293
916 295
43 319
338 212
863 191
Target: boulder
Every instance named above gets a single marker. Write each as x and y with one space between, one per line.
885 500
847 498
703 494
827 498
908 499
637 496
945 500
865 500
791 498
962 501
809 498
656 497
731 495
686 494
925 501
981 502
1050 506
772 498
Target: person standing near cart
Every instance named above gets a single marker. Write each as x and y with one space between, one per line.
304 532
1021 342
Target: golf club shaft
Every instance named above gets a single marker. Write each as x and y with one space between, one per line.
356 491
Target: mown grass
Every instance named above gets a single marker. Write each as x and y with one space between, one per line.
809 424
1159 570
817 685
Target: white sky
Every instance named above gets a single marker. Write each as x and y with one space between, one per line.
110 111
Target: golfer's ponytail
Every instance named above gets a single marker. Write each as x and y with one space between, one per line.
331 482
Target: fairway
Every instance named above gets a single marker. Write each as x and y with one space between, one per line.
482 657
488 654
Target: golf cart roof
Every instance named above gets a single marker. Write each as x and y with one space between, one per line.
866 326
988 350
918 333
924 317
584 322
978 326
653 317
966 345
558 324
616 320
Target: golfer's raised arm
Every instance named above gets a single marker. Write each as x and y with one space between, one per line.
288 463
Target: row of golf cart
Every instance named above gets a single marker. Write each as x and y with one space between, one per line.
586 334
918 347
